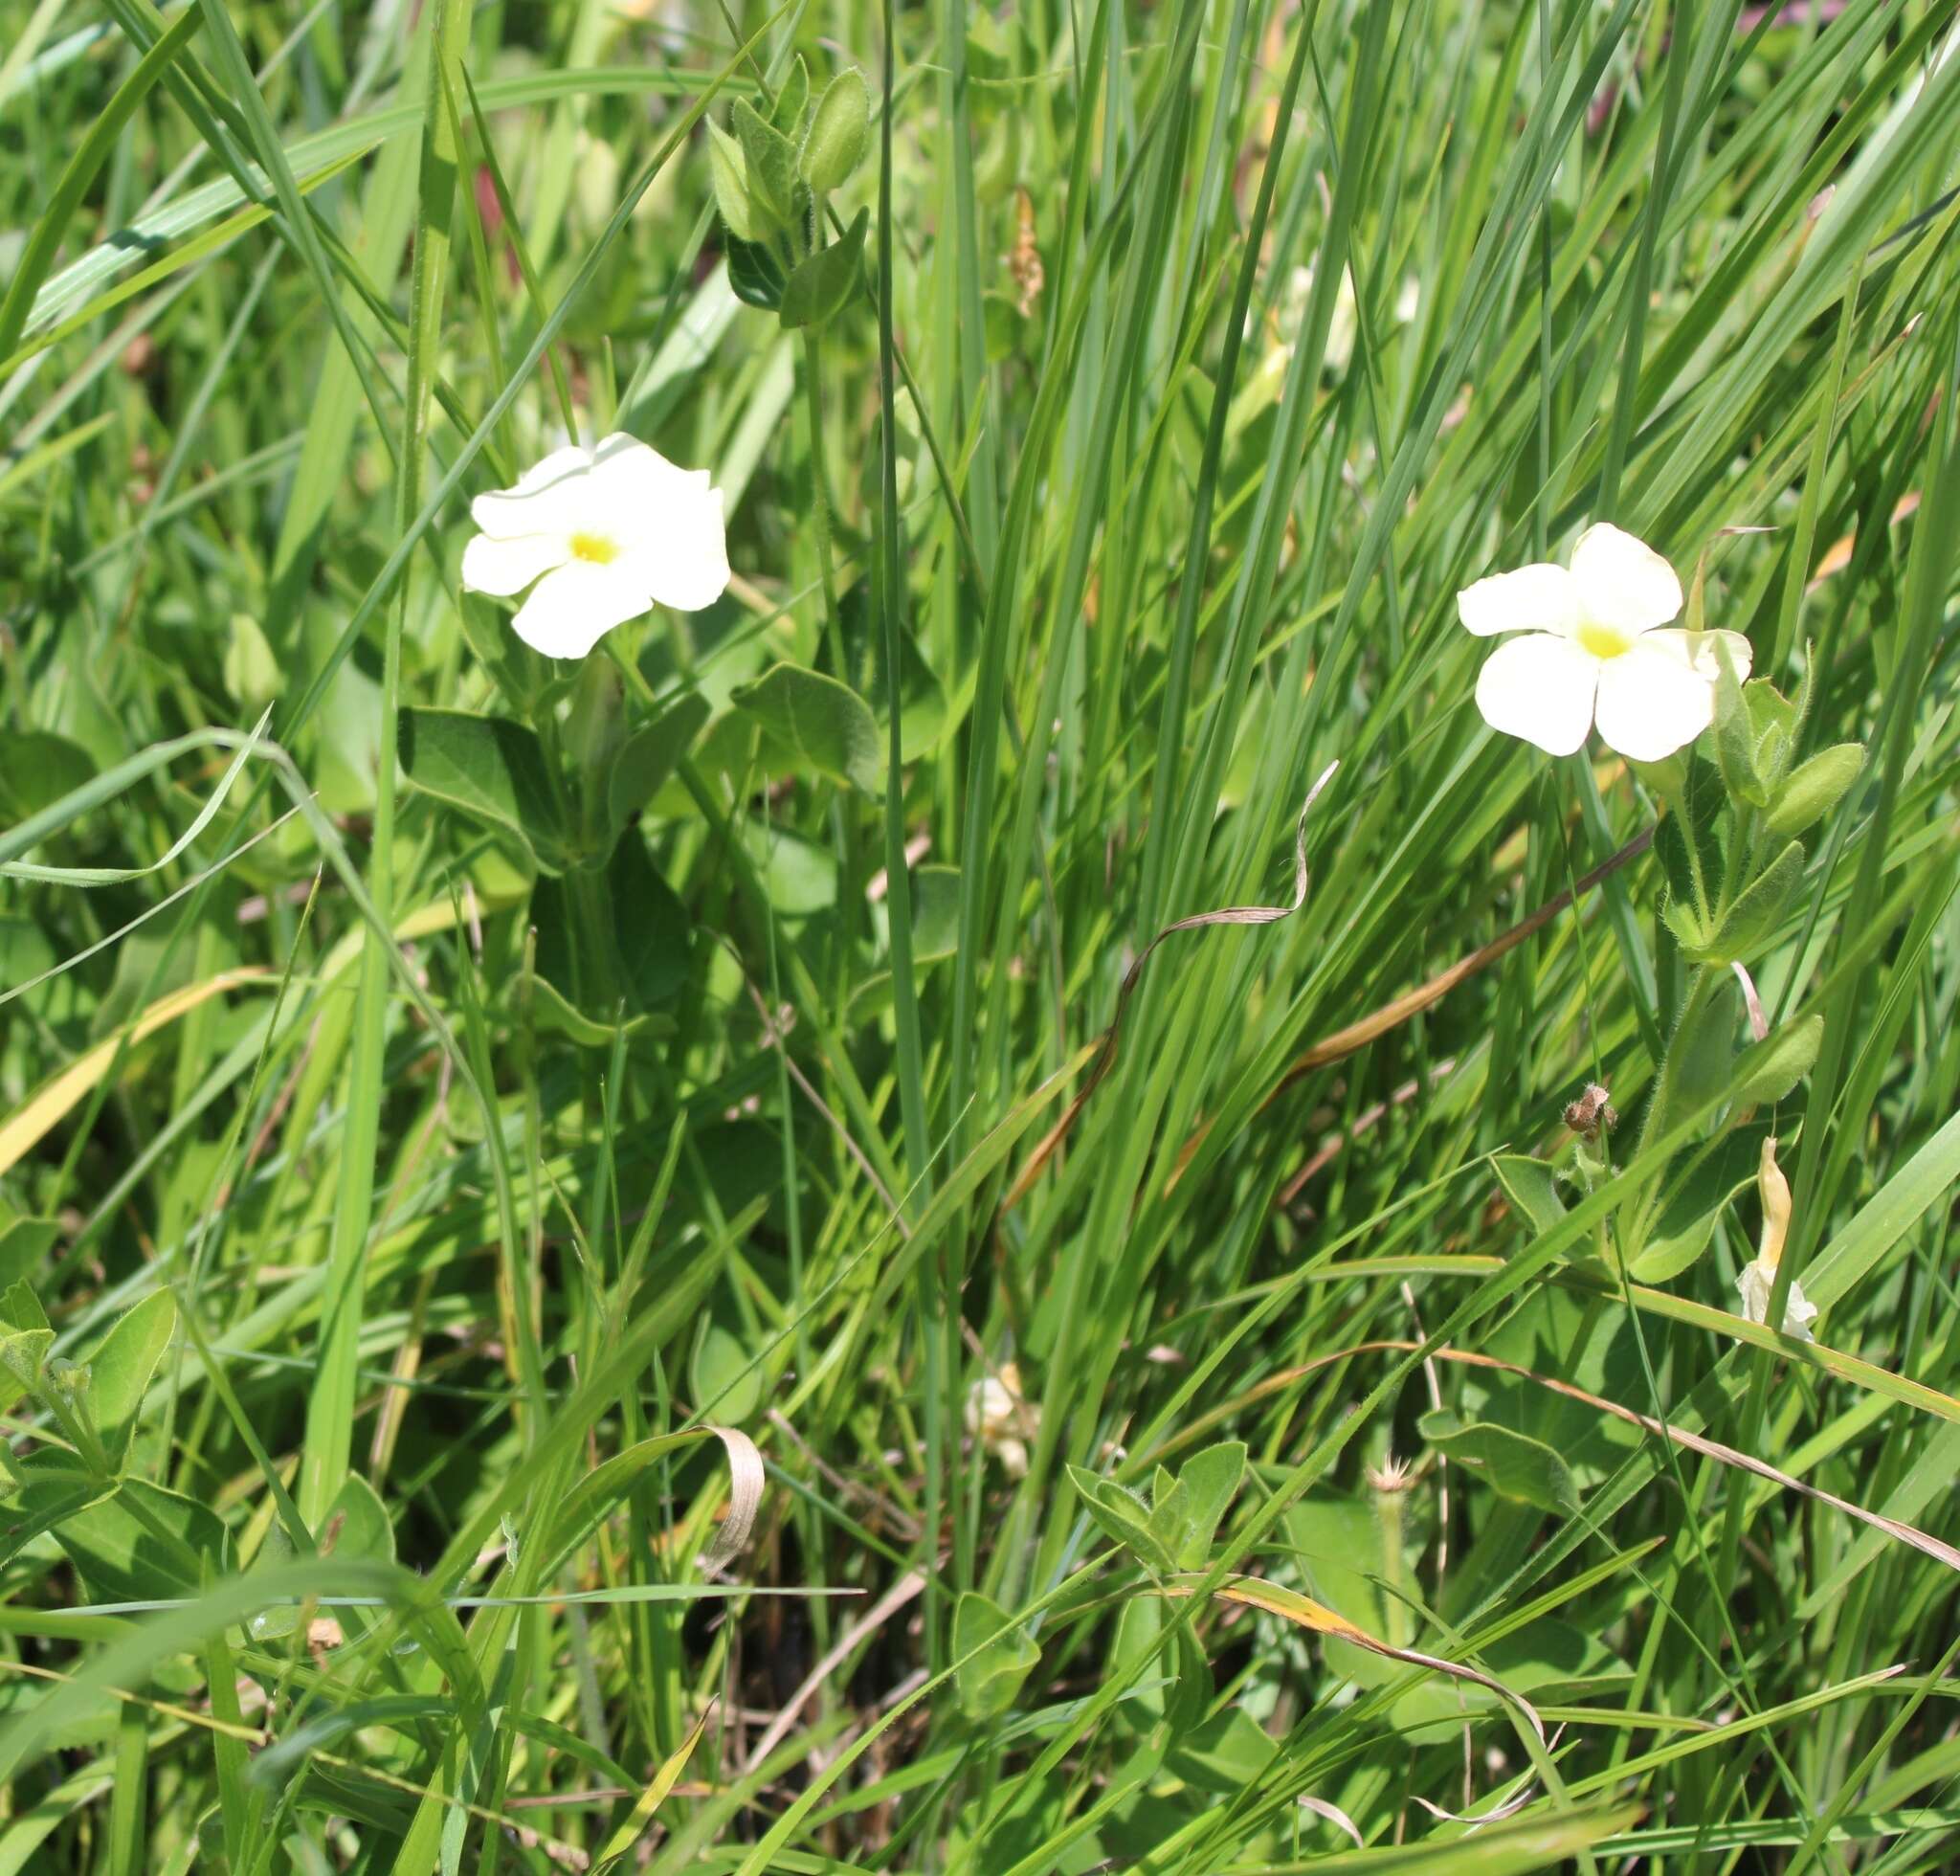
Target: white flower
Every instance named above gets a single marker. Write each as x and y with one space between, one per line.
608 533
997 1415
1757 1279
1593 649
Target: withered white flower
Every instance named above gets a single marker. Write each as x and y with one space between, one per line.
1594 650
1758 1278
997 1416
1755 1284
1344 324
607 533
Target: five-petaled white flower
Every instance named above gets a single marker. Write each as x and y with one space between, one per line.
1593 649
607 533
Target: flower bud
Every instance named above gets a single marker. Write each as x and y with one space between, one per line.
838 132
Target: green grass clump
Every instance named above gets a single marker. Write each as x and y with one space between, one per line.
626 1265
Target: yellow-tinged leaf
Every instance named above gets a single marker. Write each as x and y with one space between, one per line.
43 1108
664 1781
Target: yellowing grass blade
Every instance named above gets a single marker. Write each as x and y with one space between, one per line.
664 1781
54 1097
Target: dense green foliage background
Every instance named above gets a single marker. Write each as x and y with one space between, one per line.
676 1040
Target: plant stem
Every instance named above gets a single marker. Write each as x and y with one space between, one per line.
819 483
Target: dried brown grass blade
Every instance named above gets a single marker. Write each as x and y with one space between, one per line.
1412 1004
1106 1058
1304 1612
745 1480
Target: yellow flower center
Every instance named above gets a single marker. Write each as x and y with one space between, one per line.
596 548
1604 641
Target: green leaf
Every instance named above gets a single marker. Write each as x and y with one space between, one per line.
1210 1481
1516 1466
143 1543
21 1308
755 276
727 168
40 769
1772 726
1688 847
770 164
553 1013
648 757
924 713
651 925
490 767
355 1528
122 1368
25 1339
53 1487
726 1383
1752 921
1700 1056
825 723
25 1242
1686 924
1814 787
1770 1069
252 671
1169 1514
1138 1626
792 100
935 913
988 1683
1532 1185
1685 1224
1735 742
799 876
822 286
610 948
1228 1753
357 1524
838 132
23 1355
1124 1518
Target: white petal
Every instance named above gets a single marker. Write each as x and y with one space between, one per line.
574 606
1755 1284
683 558
1537 599
631 481
507 567
1540 688
668 521
1652 703
1697 650
549 498
1622 581
1753 1288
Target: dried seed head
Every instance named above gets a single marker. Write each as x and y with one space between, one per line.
1024 260
1393 1475
1591 1113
